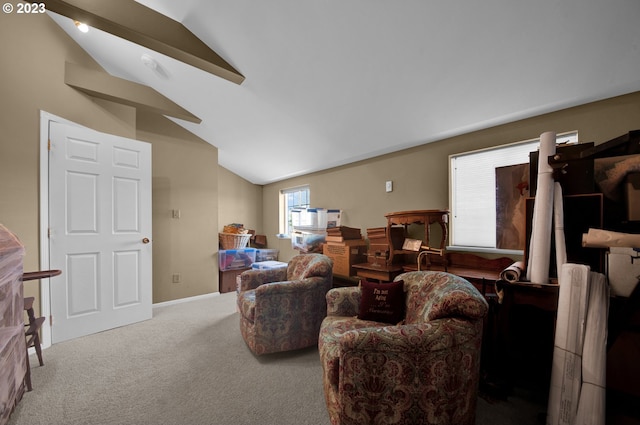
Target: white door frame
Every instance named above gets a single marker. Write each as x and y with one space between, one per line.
45 299
45 296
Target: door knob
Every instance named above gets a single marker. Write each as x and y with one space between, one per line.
145 240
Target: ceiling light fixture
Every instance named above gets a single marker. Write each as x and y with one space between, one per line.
149 62
82 27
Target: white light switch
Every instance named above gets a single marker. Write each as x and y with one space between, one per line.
389 186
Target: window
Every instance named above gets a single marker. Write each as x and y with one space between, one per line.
297 197
473 190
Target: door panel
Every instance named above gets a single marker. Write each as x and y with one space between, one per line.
99 212
126 284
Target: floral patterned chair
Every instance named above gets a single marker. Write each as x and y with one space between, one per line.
282 309
422 370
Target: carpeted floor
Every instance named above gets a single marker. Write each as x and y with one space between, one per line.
189 366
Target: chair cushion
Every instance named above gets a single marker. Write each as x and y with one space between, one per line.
382 302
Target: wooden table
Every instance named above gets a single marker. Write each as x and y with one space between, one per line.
426 217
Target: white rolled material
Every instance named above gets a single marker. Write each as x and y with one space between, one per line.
591 407
577 395
566 371
598 238
558 223
540 245
513 272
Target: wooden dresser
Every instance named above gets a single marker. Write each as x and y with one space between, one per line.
13 351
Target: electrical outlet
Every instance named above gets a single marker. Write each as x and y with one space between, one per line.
175 213
176 278
389 186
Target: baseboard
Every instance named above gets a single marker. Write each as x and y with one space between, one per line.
185 300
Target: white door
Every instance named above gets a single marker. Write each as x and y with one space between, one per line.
100 231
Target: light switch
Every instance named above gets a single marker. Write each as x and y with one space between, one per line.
175 213
389 186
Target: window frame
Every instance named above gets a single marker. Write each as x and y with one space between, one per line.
561 138
285 227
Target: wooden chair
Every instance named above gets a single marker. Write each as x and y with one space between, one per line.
32 334
32 327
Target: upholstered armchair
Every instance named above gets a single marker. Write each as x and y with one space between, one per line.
282 309
422 370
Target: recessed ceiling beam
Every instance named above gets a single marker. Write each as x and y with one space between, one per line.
144 26
104 86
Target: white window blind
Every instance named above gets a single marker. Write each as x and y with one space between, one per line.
473 189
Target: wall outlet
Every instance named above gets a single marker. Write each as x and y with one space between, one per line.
176 278
175 213
389 186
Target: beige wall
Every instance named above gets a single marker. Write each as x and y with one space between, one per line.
34 52
185 171
420 175
185 179
239 201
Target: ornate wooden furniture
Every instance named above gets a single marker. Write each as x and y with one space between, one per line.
426 217
481 271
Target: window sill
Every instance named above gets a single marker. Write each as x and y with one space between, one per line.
476 249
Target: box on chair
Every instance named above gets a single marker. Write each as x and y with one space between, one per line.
268 265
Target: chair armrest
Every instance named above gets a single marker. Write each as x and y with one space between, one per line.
293 286
343 301
251 279
436 335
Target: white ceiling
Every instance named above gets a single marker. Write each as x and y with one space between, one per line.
329 82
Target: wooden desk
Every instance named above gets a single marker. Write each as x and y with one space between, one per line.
480 271
426 217
383 273
542 296
523 334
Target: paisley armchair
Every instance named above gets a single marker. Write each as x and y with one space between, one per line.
423 370
282 309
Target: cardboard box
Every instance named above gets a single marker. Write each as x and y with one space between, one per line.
632 196
345 256
333 218
623 269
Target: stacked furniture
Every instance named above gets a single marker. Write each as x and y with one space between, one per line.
406 352
13 351
346 247
281 309
381 240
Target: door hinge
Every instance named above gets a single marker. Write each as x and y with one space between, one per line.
49 233
49 144
50 320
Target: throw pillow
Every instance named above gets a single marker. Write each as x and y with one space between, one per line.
382 302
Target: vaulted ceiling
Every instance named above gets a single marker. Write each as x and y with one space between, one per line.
327 82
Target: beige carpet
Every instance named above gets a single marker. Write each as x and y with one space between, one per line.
189 366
